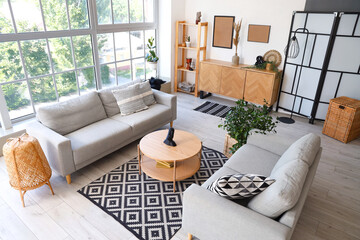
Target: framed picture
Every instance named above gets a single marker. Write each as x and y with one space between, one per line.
258 33
223 31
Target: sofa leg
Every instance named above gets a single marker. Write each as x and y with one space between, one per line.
68 178
171 123
189 236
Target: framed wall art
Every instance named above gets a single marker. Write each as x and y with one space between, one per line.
223 31
258 33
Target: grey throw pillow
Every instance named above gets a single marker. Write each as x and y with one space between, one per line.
147 94
238 186
129 100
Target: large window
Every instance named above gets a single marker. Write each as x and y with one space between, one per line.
52 50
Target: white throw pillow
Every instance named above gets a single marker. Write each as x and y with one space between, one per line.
304 149
129 100
284 193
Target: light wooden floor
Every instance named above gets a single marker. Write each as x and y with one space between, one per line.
332 210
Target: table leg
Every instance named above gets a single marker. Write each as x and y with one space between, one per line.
139 158
174 181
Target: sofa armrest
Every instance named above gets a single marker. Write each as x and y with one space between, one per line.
56 147
167 100
209 216
271 142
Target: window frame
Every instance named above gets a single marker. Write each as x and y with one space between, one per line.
93 30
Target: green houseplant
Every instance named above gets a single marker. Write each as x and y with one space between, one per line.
151 57
245 117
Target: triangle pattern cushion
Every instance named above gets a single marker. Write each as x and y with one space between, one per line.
239 186
304 149
284 193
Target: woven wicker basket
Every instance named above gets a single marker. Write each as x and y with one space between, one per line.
26 164
343 119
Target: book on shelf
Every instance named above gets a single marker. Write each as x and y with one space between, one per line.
163 164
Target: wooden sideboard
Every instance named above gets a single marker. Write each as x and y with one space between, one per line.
239 81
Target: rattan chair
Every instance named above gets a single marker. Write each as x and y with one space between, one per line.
26 164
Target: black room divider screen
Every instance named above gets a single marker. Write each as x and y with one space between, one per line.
327 64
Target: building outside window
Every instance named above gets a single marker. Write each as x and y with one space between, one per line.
52 50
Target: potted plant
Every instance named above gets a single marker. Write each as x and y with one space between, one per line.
237 27
151 57
245 117
187 41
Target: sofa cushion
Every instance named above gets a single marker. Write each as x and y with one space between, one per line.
146 92
99 137
252 159
73 114
239 186
304 149
108 99
284 193
144 121
129 100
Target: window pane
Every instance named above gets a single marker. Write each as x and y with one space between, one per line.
138 69
149 34
66 85
79 15
17 99
86 78
149 10
122 46
55 15
10 63
5 18
120 8
123 72
106 47
108 75
36 57
83 51
137 44
136 11
42 91
103 9
61 55
27 15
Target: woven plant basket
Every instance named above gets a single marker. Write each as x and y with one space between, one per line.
26 164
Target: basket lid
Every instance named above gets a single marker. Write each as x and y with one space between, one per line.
346 101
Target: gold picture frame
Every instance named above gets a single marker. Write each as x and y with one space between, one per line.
258 33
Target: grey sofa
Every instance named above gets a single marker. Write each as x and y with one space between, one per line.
77 132
270 215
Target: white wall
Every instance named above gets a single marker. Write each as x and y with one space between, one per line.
276 13
170 11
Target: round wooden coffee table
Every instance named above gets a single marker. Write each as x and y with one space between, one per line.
186 156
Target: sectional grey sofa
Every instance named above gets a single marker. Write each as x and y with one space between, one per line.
272 214
77 132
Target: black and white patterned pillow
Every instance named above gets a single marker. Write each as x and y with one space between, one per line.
239 186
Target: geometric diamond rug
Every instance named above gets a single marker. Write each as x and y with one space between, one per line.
147 207
214 109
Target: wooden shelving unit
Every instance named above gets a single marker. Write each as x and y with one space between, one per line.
180 65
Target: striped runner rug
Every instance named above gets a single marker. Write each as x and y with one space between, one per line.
214 109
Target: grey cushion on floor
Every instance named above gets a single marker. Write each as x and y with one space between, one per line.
97 138
250 159
141 121
68 116
147 93
129 100
108 99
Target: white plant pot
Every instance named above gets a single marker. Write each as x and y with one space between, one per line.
188 44
153 65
